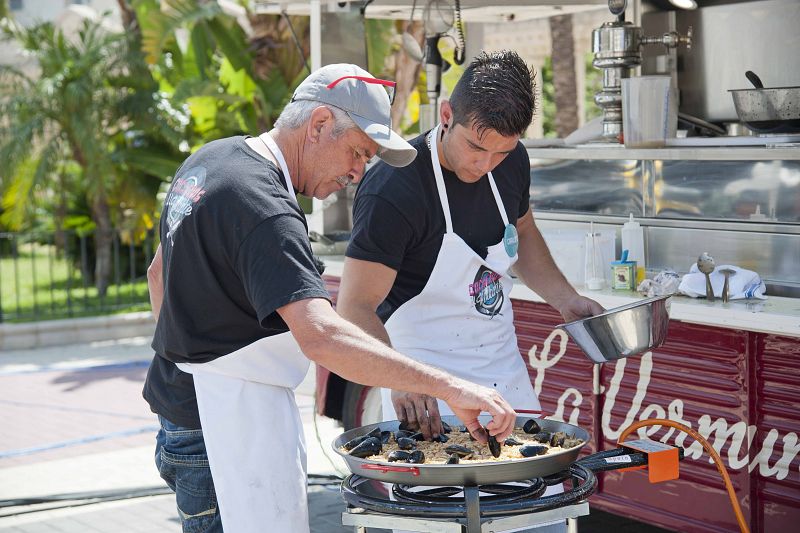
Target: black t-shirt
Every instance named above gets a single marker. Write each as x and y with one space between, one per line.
235 248
398 219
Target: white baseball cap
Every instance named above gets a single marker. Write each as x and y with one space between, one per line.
349 88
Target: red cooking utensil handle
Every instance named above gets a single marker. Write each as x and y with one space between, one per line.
386 468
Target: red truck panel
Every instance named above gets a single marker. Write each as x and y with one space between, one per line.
729 385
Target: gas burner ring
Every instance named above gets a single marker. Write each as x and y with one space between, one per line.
499 492
372 495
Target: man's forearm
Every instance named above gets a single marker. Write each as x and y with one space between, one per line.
366 319
364 285
351 353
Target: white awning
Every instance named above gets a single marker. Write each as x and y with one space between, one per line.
471 10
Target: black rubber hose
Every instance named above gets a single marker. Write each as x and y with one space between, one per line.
598 462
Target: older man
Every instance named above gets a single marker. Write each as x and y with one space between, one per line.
244 309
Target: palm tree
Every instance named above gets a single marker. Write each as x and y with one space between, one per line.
233 73
565 91
69 110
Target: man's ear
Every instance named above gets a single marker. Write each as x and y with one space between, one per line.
446 114
320 118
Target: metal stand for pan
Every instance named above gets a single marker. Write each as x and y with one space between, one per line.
469 509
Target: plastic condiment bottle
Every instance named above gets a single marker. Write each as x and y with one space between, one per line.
633 241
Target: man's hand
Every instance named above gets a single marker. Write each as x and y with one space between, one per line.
418 411
471 400
579 307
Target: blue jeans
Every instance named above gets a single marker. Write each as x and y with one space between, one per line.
183 463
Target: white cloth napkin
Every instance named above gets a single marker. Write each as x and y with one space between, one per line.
743 284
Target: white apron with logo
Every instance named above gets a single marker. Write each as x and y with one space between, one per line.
462 320
252 429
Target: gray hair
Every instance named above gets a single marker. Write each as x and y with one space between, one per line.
296 113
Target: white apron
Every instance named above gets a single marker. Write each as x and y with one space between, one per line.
252 428
462 320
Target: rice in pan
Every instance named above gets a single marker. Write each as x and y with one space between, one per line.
435 452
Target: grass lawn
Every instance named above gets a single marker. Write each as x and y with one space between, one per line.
38 284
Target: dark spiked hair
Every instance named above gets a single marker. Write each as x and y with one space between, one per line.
496 91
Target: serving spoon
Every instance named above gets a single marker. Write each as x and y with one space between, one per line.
705 264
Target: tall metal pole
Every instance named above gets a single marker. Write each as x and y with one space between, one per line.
315 219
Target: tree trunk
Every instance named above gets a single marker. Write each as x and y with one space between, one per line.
103 237
60 239
406 74
564 83
129 21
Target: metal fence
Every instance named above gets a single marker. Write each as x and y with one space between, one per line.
52 275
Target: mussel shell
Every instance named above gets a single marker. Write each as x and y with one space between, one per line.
417 436
558 439
398 456
511 441
571 443
371 446
385 436
401 433
441 437
461 451
446 427
404 443
532 450
453 459
494 446
416 457
543 437
406 426
349 445
531 427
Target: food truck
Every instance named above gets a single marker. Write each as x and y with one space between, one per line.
729 185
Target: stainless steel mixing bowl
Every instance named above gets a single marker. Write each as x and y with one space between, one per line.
623 331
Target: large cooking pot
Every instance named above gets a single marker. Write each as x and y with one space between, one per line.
768 110
463 474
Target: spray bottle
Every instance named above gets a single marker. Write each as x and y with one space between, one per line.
633 241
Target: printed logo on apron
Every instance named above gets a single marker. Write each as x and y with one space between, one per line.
487 292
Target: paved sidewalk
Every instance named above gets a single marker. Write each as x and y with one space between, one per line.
73 421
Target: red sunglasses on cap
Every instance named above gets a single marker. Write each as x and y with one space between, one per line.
390 86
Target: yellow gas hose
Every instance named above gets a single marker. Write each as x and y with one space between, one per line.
711 451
